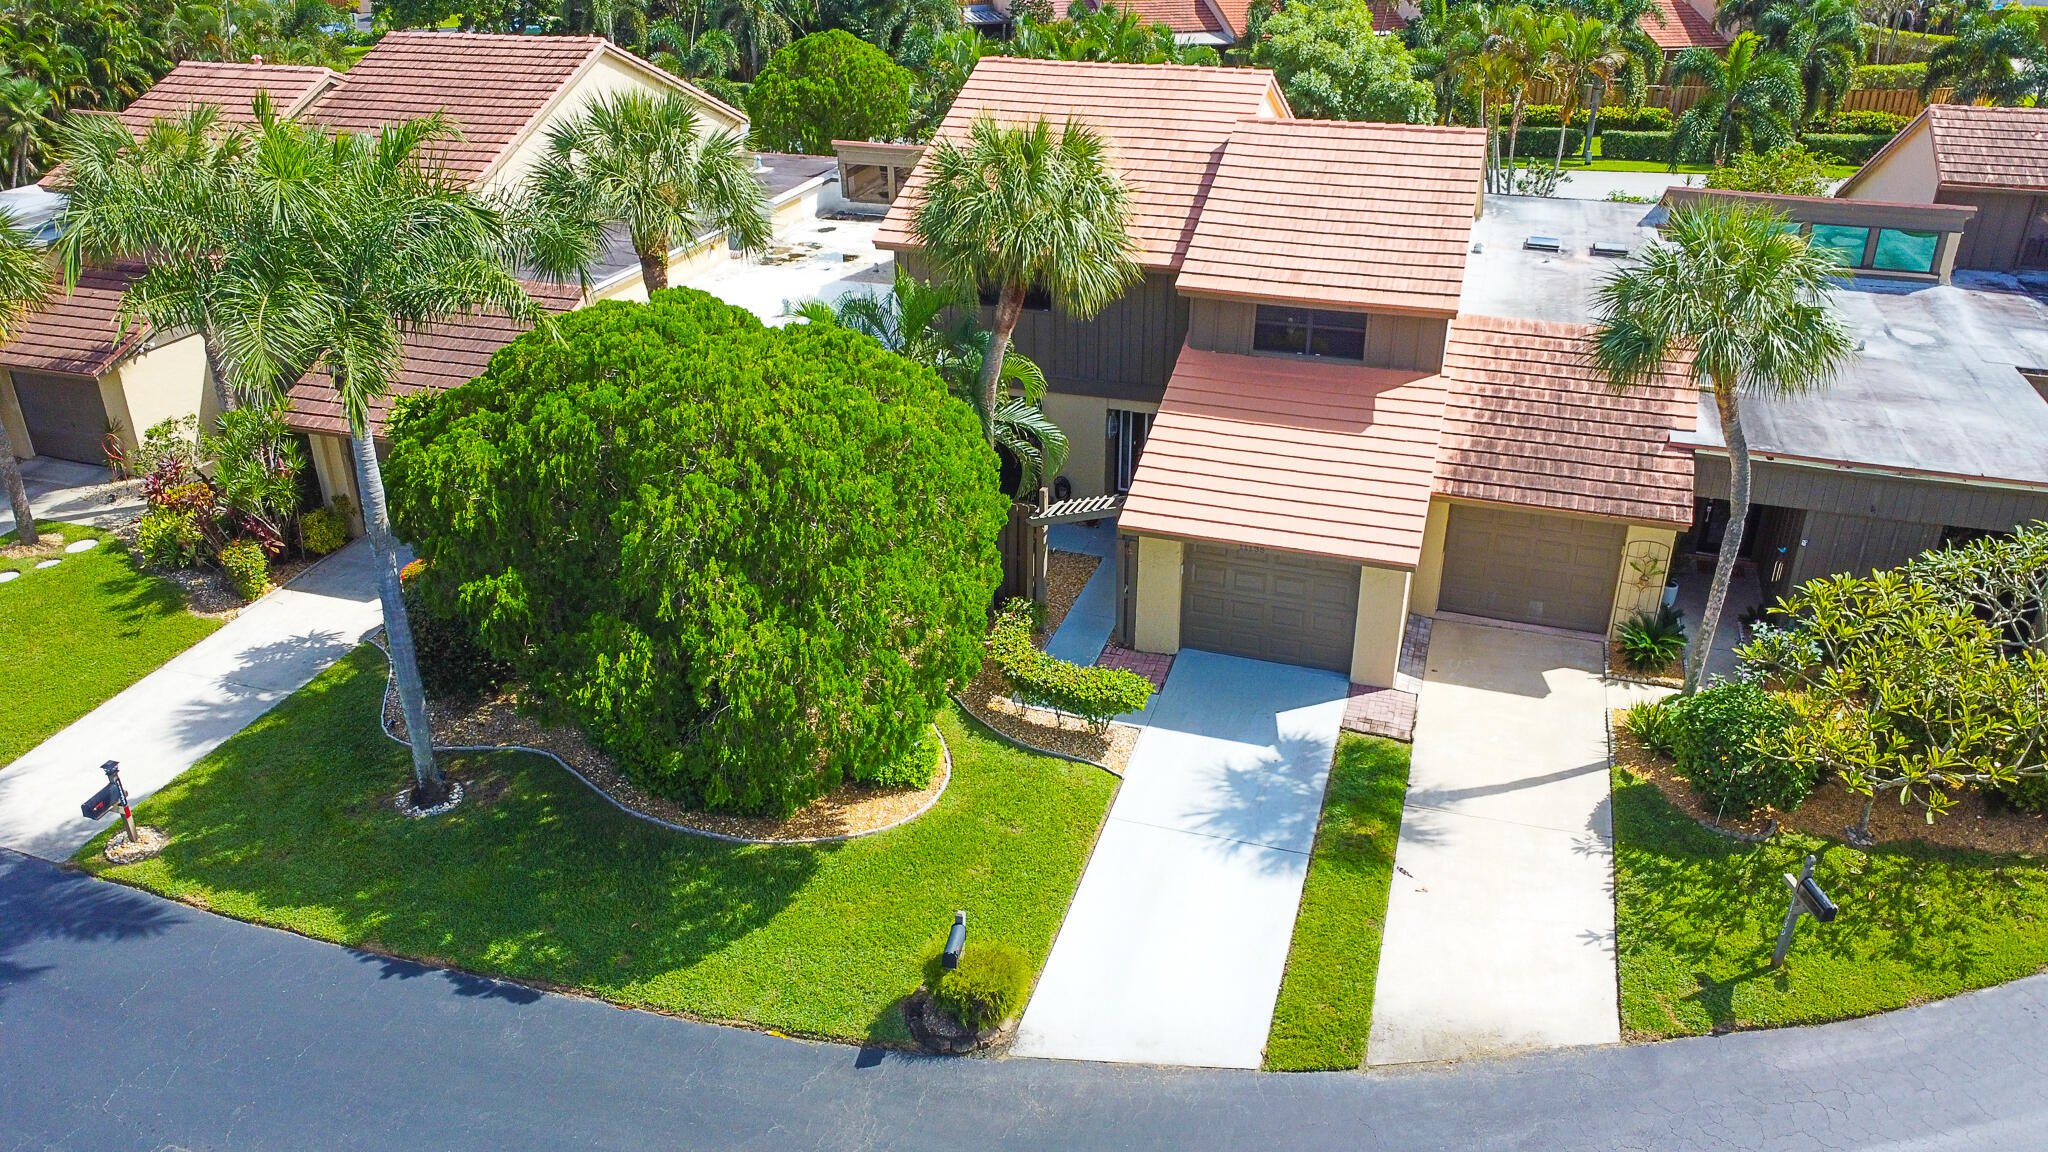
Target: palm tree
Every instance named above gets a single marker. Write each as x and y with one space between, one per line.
24 279
1582 50
1750 100
764 26
931 324
1991 58
1825 38
1022 208
644 162
1748 302
26 117
1525 43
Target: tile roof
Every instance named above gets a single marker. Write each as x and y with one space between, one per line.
1340 213
1302 455
1530 422
443 357
79 332
1683 26
1386 16
1990 147
1179 15
230 86
1165 125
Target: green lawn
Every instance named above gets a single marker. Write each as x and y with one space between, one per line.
73 635
536 877
1325 1005
1697 915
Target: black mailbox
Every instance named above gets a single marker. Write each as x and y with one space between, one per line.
1817 903
102 801
956 942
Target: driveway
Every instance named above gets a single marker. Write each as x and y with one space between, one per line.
1500 922
163 723
1173 950
67 490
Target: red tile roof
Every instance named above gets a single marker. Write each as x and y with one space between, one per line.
1165 125
1531 422
1386 16
1188 16
445 356
1989 147
1683 26
232 87
78 333
1338 213
1302 455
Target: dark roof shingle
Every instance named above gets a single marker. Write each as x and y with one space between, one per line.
77 333
1990 147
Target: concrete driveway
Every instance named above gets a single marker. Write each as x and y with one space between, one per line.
1174 948
1500 923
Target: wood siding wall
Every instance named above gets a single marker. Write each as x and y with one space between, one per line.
1391 340
1993 238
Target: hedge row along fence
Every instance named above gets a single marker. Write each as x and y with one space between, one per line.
1878 88
1097 695
1849 148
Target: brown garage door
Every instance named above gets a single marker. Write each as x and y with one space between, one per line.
1531 567
65 417
1269 605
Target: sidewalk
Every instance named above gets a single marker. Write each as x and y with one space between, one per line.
165 722
65 490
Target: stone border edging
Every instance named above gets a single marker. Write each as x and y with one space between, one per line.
384 725
1028 746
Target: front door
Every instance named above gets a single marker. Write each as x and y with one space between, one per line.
1127 433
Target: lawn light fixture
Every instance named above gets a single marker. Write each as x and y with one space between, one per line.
956 942
1807 900
108 797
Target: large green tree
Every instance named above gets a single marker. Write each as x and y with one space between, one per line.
1825 40
1333 67
1751 102
24 281
645 162
1744 304
770 551
828 86
1993 57
1021 208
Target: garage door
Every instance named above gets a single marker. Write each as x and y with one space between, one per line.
1526 566
1269 605
65 417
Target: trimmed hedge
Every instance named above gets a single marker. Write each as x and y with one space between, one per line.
1890 77
1541 143
1098 695
1635 146
247 568
1849 148
1620 119
1713 735
1869 122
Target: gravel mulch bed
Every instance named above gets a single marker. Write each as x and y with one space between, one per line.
1044 729
148 842
208 594
1978 822
1065 575
48 544
495 721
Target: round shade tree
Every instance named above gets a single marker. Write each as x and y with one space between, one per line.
748 562
829 86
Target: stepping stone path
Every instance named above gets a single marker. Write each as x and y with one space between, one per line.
52 562
77 546
6 576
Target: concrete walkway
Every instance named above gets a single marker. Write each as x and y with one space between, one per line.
1173 950
1088 623
1500 923
163 723
67 490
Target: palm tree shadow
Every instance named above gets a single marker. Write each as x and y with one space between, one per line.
40 902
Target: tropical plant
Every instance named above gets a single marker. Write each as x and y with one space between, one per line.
24 281
246 566
934 324
1333 67
1745 304
988 987
1097 695
1991 58
1651 640
256 466
942 63
644 162
1721 738
1788 171
1825 39
1750 100
1583 50
828 86
771 550
1110 34
763 27
1022 208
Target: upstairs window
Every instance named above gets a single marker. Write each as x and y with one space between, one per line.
1309 332
1900 250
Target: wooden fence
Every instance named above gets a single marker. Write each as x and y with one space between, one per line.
1024 556
1903 101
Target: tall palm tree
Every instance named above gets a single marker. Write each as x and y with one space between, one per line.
1990 58
24 280
932 324
1525 43
1022 208
1746 303
27 114
1825 38
644 162
1750 100
1583 50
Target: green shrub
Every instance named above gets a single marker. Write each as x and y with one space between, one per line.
828 86
1846 148
454 665
988 987
1098 695
169 538
1620 145
323 530
1789 171
1650 722
247 568
1546 116
1651 640
1903 45
1891 77
1644 119
1541 143
1713 738
2028 793
914 770
1869 122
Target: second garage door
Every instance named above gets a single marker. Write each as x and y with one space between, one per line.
1269 605
1531 567
65 417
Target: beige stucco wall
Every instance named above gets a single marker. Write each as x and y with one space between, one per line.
164 383
1157 626
607 75
1904 175
10 415
335 468
1645 565
1429 567
1383 595
1084 420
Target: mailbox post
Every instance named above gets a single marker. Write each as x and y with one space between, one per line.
107 797
956 942
1807 900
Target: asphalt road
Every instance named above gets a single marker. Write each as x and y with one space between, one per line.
127 1022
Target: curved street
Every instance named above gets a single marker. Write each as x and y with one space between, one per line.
129 1022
